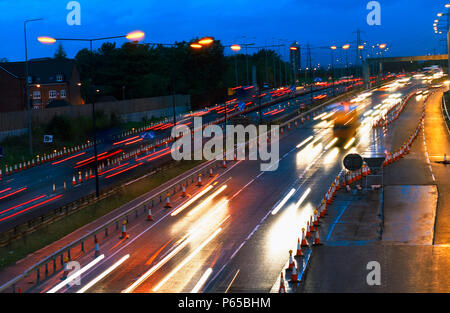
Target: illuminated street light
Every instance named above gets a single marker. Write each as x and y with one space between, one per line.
345 47
439 14
293 48
46 40
206 41
196 45
333 47
360 47
382 46
135 35
235 47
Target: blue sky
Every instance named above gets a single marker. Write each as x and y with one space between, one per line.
406 25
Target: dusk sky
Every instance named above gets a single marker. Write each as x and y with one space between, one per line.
406 25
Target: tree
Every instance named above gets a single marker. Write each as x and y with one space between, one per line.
60 53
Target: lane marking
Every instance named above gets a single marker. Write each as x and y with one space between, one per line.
232 281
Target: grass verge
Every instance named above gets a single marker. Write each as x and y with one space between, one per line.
57 230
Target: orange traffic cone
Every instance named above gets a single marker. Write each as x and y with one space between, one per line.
282 288
311 224
183 188
304 243
65 269
224 164
316 218
317 239
199 183
74 181
294 276
308 232
124 230
80 180
149 215
291 261
168 204
211 172
299 249
86 176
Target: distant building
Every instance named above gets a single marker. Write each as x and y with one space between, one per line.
50 80
295 58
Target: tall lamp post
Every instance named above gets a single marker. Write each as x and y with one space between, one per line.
332 66
236 48
134 37
27 91
346 47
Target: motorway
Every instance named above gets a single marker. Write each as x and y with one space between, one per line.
235 236
30 193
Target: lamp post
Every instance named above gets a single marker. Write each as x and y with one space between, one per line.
27 91
346 47
134 37
332 66
236 48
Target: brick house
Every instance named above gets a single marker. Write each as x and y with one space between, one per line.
50 81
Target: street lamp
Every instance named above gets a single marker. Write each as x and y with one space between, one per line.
27 91
133 36
346 47
236 48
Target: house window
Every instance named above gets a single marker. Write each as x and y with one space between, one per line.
52 94
59 78
63 93
36 95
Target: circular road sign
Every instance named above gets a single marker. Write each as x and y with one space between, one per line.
353 162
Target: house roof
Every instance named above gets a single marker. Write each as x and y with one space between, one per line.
43 70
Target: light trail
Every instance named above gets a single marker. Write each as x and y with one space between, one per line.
349 143
76 274
104 274
283 202
305 141
13 193
331 143
66 159
152 154
113 169
126 140
192 200
5 190
185 240
202 281
302 198
134 141
186 260
124 170
207 200
31 207
319 116
22 204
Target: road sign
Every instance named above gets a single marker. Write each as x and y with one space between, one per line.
353 162
148 135
48 138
